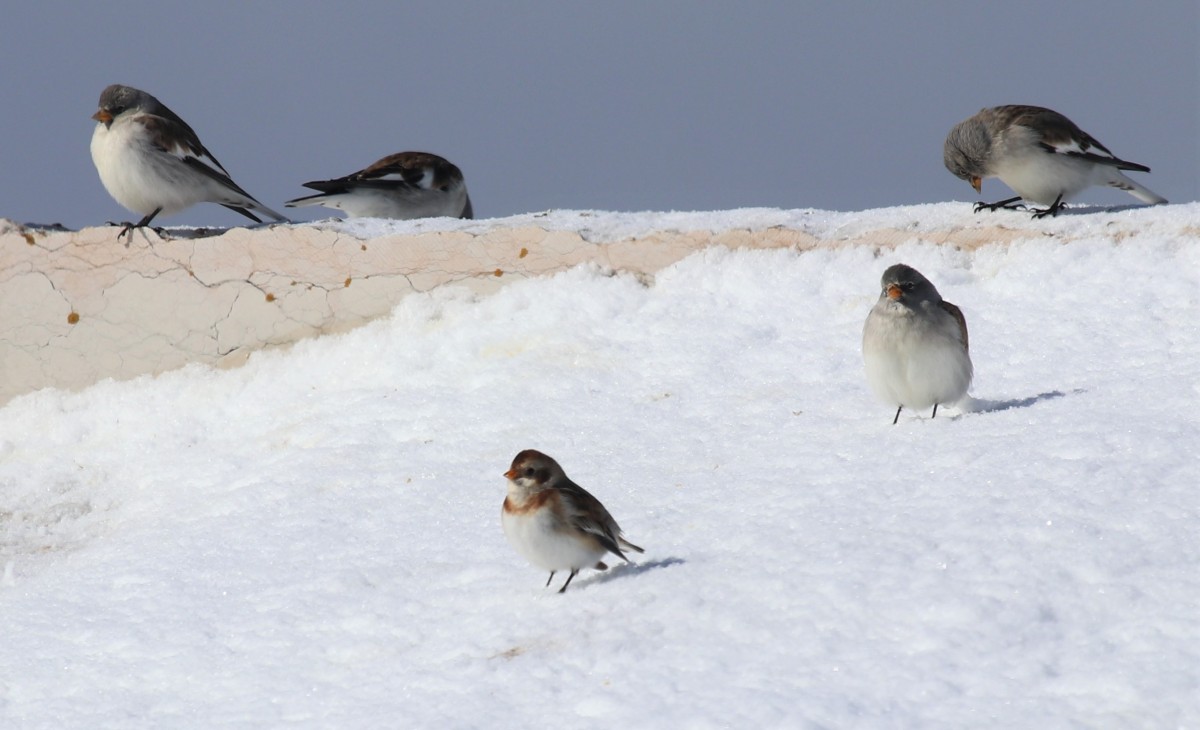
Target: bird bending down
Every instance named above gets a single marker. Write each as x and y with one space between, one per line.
915 344
555 523
405 185
152 162
1043 156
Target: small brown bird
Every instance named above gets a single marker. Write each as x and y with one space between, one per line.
555 523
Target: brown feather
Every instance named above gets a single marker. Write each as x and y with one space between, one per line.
955 312
532 503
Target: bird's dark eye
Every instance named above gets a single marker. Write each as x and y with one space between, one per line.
529 472
908 286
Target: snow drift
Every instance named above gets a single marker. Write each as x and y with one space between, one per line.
313 539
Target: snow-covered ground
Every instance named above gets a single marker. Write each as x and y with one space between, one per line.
313 540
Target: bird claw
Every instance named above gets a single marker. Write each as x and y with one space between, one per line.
1052 211
127 228
993 207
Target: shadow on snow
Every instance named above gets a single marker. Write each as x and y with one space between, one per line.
980 405
630 569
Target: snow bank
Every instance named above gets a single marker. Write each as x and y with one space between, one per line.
313 540
78 307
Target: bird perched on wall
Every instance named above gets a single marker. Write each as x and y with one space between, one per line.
555 523
404 185
915 344
1038 153
152 163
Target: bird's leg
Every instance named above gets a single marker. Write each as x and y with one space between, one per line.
935 405
127 227
569 577
550 578
897 418
1006 204
1052 210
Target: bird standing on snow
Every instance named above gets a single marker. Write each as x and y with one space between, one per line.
152 163
404 185
1038 153
915 344
554 522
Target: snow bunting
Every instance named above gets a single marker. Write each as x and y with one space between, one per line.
554 522
1038 153
404 185
152 163
915 344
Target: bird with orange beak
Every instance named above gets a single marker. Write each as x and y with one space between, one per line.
1043 156
151 162
915 344
555 523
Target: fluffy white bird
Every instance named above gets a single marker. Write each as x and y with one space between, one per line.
152 163
1043 156
404 185
915 344
555 523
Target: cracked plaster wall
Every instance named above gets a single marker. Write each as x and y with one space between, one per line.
77 307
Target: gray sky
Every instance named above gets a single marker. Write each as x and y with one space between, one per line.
608 105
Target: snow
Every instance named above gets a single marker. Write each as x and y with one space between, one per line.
601 227
313 540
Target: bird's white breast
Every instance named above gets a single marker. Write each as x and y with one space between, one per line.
139 176
399 203
1037 174
536 537
914 361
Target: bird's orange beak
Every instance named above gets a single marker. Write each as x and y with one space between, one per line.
977 183
102 116
893 292
510 474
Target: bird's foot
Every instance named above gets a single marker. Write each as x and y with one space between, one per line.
1010 204
569 579
1052 211
128 228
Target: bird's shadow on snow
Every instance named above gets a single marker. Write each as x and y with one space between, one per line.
46 227
632 569
191 232
162 233
1073 210
1088 209
981 405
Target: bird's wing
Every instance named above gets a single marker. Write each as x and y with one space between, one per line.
173 136
586 513
955 312
1061 136
401 171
